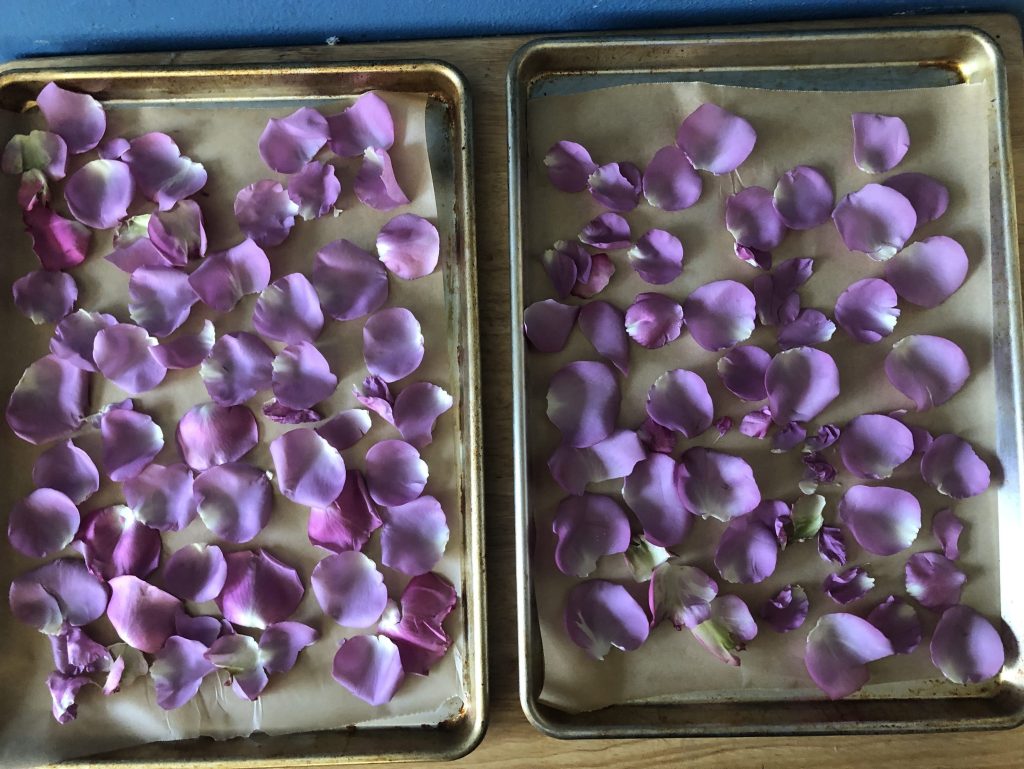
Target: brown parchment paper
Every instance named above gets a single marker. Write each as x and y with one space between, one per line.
224 138
949 130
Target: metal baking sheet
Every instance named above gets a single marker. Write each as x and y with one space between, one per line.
820 60
287 79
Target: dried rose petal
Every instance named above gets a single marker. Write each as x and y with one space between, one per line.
370 667
654 320
875 220
927 369
898 620
239 366
392 344
670 181
650 492
44 296
788 437
265 213
720 314
588 527
57 594
33 191
288 143
224 277
616 186
583 402
753 221
879 141
161 172
43 523
787 609
934 580
657 257
929 197
310 471
602 269
614 457
715 484
409 246
161 497
609 231
349 589
801 383
259 590
838 650
715 139
348 522
234 500
883 520
601 614
548 324
366 123
679 400
966 647
804 198
569 166
350 282
873 445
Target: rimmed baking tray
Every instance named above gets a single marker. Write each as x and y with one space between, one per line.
820 60
287 80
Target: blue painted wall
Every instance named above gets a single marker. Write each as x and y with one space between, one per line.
47 27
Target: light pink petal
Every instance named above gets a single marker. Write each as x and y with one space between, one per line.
566 263
288 310
370 667
43 523
600 615
681 594
742 372
727 630
223 278
934 580
654 320
838 651
966 647
608 230
614 457
123 355
44 296
345 429
947 528
178 670
883 520
234 500
409 246
873 445
604 326
747 551
657 257
928 196
59 242
548 324
161 497
849 586
142 615
178 233
69 470
775 294
602 269
392 343
49 401
395 474
879 141
281 643
875 220
801 383
616 186
867 310
288 143
131 440
679 400
583 402
419 631
114 543
314 189
715 139
349 589
416 410
35 151
929 271
160 299
302 377
367 123
787 609
76 117
350 282
375 183
720 314
804 198
239 366
752 220
265 213
588 527
196 572
569 166
414 535
898 620
99 193
348 522
161 172
810 327
188 350
927 369
711 483
209 435
310 471
670 181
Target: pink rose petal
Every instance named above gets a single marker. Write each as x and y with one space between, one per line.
569 166
879 141
76 117
414 535
583 402
883 520
927 369
654 320
753 221
875 220
720 314
239 366
310 471
804 198
801 383
755 424
234 500
392 344
44 296
161 172
350 282
59 242
142 615
265 213
588 527
370 667
548 324
349 589
966 647
288 143
711 483
934 580
286 415
367 123
259 589
417 409
928 271
604 326
409 246
616 186
838 651
43 523
715 139
679 400
348 522
224 277
600 615
161 497
395 473
376 185
657 257
670 181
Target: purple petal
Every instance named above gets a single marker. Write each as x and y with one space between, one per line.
927 369
115 543
838 650
881 519
162 173
657 257
873 445
395 474
281 643
867 310
752 220
49 401
898 620
616 186
234 500
302 377
608 230
775 294
654 320
186 351
416 410
650 492
548 324
239 655
583 402
566 263
787 609
747 551
831 545
801 383
44 296
288 143
934 580
929 197
727 630
265 213
720 314
178 233
375 184
75 653
59 592
367 123
392 343
178 670
849 586
929 271
711 483
123 355
419 632
205 629
376 396
875 220
810 327
314 189
755 424
99 193
128 666
286 415
670 182
602 269
224 277
409 246
681 594
788 437
239 366
133 248
69 470
63 692
345 429
614 457
825 437
966 647
59 242
715 139
947 528
753 256
679 400
288 310
160 299
350 282
803 198
259 589
603 325
209 435
142 615
349 589
588 527
161 497
879 141
33 191
601 614
43 523
196 572
348 522
656 438
742 372
369 667
414 535
131 440
569 166
36 151
76 117
310 471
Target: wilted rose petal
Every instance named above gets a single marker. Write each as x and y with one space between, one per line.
954 468
392 343
947 528
161 172
680 593
711 483
654 320
848 586
838 650
727 630
409 246
367 123
286 415
234 500
265 213
188 350
131 440
569 166
898 620
418 630
310 471
803 198
160 299
742 372
603 325
657 257
115 543
288 310
715 139
775 293
302 377
349 589
178 671
43 523
416 410
650 492
224 277
610 231
801 383
867 310
178 233
69 470
720 314
350 282
127 667
314 189
787 609
670 181
288 143
76 117
49 401
883 520
161 497
196 572
239 366
927 369
928 196
679 400
614 457
548 324
966 647
810 327
934 580
59 592
209 434
601 614
414 535
259 589
123 355
44 296
348 522
395 474
831 545
827 435
60 243
873 445
142 615
74 652
345 429
568 265
616 186
370 667
753 221
928 271
375 184
588 527
583 402
755 424
875 220
879 141
98 194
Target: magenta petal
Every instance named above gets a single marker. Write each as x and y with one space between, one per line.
801 383
59 242
753 221
223 278
369 667
59 592
123 355
715 139
375 183
849 586
281 643
583 402
309 470
657 257
178 670
395 474
787 609
44 296
879 141
178 233
416 410
867 310
367 123
76 117
727 629
569 166
209 435
873 445
99 193
43 523
69 470
259 590
350 282
614 457
747 551
810 327
36 151
548 324
196 572
929 271
419 632
239 366
409 246
604 326
608 230
875 220
187 351
600 615
348 522
616 186
314 189
142 615
838 650
681 594
288 143
742 372
160 299
927 369
679 400
349 589
883 520
934 580
898 620
966 647
947 528
804 198
654 320
928 196
414 535
588 527
265 213
345 429
49 401
302 377
775 293
162 173
288 310
234 500
392 343
720 314
711 483
161 497
131 440
114 543
670 181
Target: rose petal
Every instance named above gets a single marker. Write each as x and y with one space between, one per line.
875 220
69 470
178 671
787 609
224 277
64 691
239 656
715 139
755 424
369 667
753 221
196 572
650 492
414 535
548 324
810 327
927 369
831 545
376 396
35 151
259 590
348 522
314 189
742 371
392 343
395 474
608 230
966 647
33 191
654 320
59 592
60 243
775 294
711 483
588 527
838 650
133 247
302 377
803 197
825 437
75 653
160 299
952 466
209 435
934 580
349 589
873 445
186 351
131 440
614 457
720 314
350 282
583 402
178 233
309 470
288 310
345 429
161 497
642 558
416 410
419 632
567 263
128 666
603 325
265 213
49 401
883 520
867 310
849 586
947 528
142 615
679 400
115 543
656 438
43 523
286 415
44 296
234 500
239 366
601 614
616 186
569 166
657 257
929 271
76 117
747 551
281 643
928 196
162 173
788 437
879 141
801 383
375 184
898 620
409 246
367 123
670 182
288 143
727 630
122 355
99 193
680 593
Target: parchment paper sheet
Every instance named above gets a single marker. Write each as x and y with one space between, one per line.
306 699
948 129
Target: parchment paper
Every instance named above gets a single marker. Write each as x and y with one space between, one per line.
224 138
948 129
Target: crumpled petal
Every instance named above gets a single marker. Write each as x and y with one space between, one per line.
548 323
131 440
747 551
416 410
69 470
827 435
654 320
831 545
59 242
927 369
642 558
614 457
376 396
883 520
609 231
234 500
142 615
742 372
569 165
712 483
44 296
264 212
392 343
178 233
188 350
302 377
161 497
603 325
947 528
161 172
418 631
35 151
286 415
727 630
875 220
288 143
680 593
588 527
133 248
33 191
657 257
601 614
98 194
873 445
928 271
753 221
650 492
349 589
314 189
848 586
414 535
670 181
879 141
810 327
224 277
375 184
656 438
569 265
49 401
715 139
43 523
867 310
898 620
178 671
367 123
679 400
755 424
122 353
787 609
838 650
196 572
348 522
583 402
720 314
76 117
953 467
966 647
59 592
114 543
804 198
934 580
409 246
64 691
281 643
616 186
801 383
239 366
288 310
160 299
753 256
928 196
310 471
775 293
370 667
74 652
259 589
209 434
350 282
345 429
395 473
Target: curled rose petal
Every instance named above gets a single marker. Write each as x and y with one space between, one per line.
314 189
827 435
127 667
898 620
196 572
583 402
160 299
224 277
927 369
349 589
375 183
753 221
848 586
670 181
239 366
720 314
59 592
609 230
288 143
123 355
35 151
747 551
178 671
883 520
44 296
650 492
803 198
777 516
680 593
281 643
934 580
302 377
114 543
787 609
654 320
867 310
616 186
69 470
76 117
178 233
98 194
416 410
875 220
838 651
310 471
348 522
614 457
810 327
679 400
131 440
367 123
395 473
775 293
569 165
879 141
392 343
727 630
49 401
409 246
642 558
419 632
588 527
600 615
161 172
350 282
742 372
831 545
186 351
64 691
345 429
715 139
133 248
74 652
928 271
370 667
142 615
286 415
234 500
966 647
60 243
414 536
755 424
753 256
161 497
711 483
953 467
259 589
265 213
288 310
376 396
604 326
928 196
873 445
657 257
43 523
947 528
548 324
568 264
801 383
209 434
